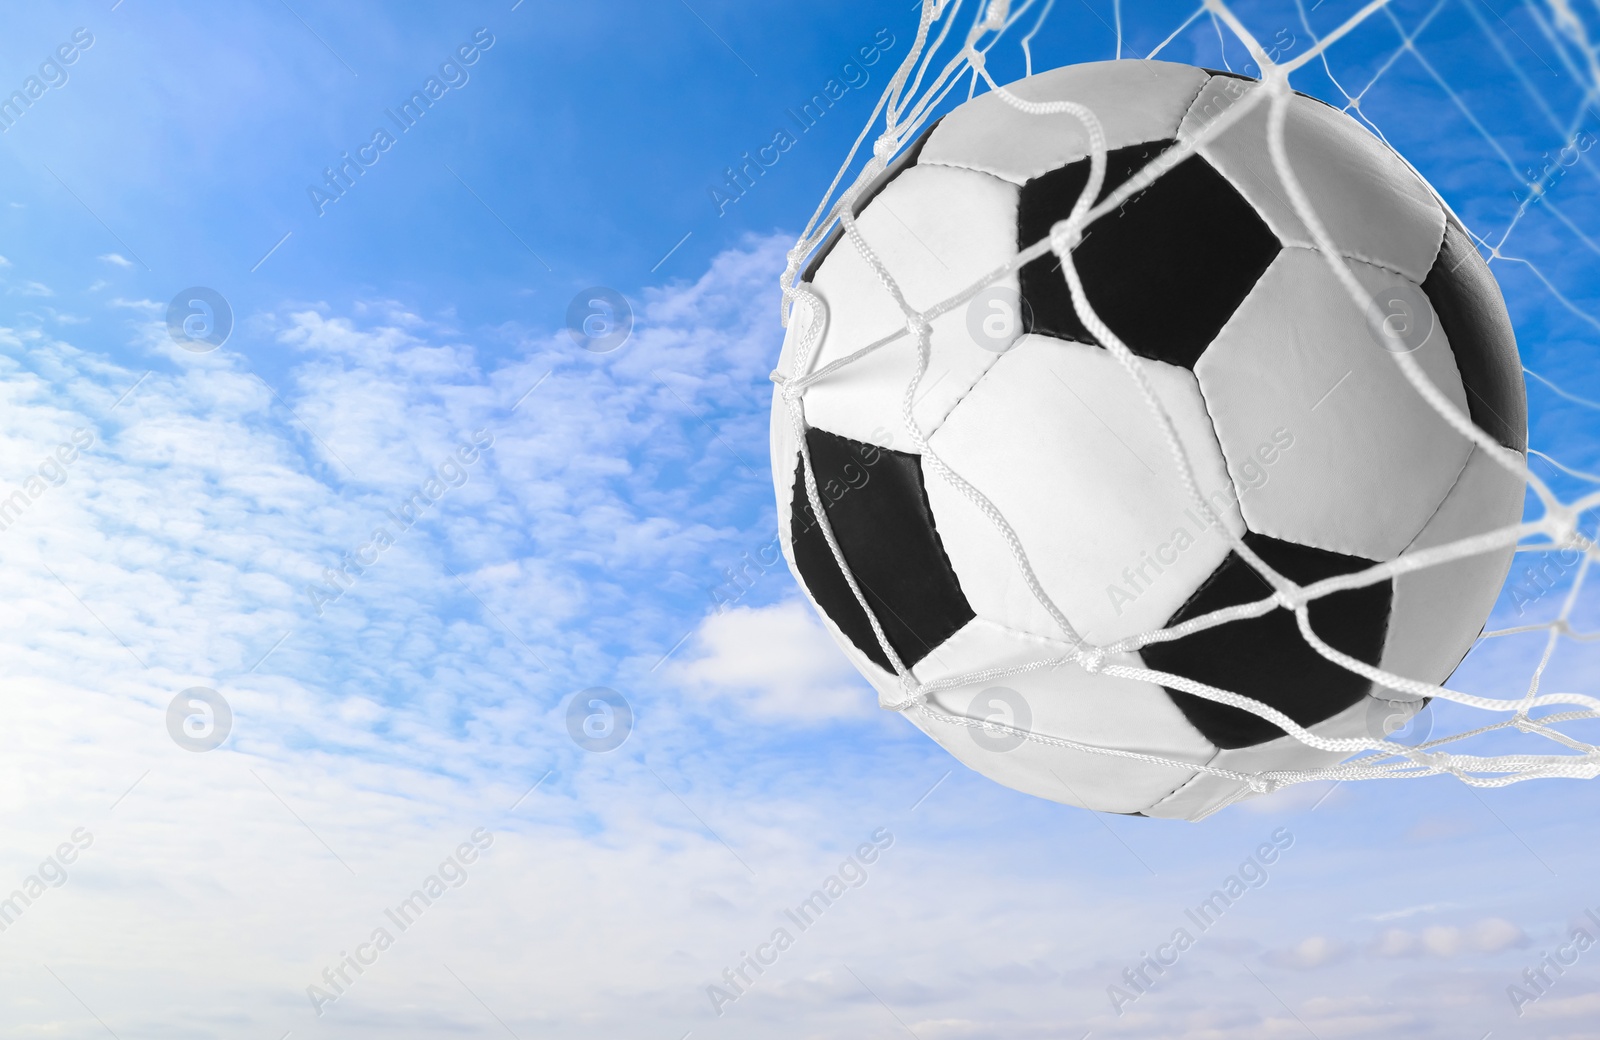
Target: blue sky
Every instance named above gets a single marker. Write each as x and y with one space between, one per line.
424 312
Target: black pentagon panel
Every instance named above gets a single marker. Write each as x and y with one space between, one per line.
1266 658
879 512
1165 272
1473 315
902 162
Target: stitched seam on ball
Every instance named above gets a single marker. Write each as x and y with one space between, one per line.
1442 500
1283 237
1216 438
928 433
949 165
968 391
922 486
1052 643
961 396
1371 261
1238 497
891 347
1188 109
1025 634
1395 582
1346 254
1192 781
1459 474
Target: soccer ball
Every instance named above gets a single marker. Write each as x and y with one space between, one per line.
1303 433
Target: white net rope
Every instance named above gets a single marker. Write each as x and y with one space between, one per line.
951 47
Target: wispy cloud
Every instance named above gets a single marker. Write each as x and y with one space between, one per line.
1409 911
144 306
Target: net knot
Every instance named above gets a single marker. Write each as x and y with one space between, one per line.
1091 659
1291 599
1562 522
912 690
995 14
1276 79
918 326
884 148
1064 237
792 390
1261 784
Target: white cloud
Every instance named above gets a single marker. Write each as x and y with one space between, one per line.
1493 934
115 258
773 662
1486 936
37 289
1443 940
1395 942
1312 952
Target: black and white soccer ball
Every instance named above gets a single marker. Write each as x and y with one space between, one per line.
1302 430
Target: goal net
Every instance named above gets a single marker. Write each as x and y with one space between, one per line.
955 45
